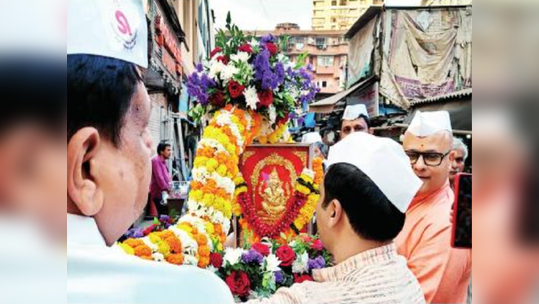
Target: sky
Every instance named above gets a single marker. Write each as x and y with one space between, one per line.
265 14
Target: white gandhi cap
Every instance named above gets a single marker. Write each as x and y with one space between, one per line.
428 123
354 112
383 161
311 138
108 28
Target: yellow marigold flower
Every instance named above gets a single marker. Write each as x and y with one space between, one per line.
154 238
221 170
209 228
164 248
303 189
212 164
128 249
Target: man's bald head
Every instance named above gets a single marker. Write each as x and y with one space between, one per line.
432 149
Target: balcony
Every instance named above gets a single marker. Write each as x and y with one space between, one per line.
325 70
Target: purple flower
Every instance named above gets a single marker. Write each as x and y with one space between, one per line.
135 233
199 67
267 38
316 263
197 86
252 256
264 74
279 277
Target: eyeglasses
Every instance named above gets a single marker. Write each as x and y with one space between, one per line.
431 159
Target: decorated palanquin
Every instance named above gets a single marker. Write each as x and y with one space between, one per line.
272 204
248 178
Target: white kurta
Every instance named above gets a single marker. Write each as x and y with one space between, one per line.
99 274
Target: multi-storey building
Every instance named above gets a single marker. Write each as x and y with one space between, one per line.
339 14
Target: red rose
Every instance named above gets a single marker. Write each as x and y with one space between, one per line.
302 278
215 51
286 255
239 283
235 89
217 99
317 245
246 48
216 260
272 48
263 249
223 59
266 98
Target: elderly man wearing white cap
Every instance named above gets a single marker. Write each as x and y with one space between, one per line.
108 163
355 119
443 272
366 192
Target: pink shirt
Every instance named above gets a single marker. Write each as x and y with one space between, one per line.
160 178
375 276
425 241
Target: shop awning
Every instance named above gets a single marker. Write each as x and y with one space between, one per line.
328 104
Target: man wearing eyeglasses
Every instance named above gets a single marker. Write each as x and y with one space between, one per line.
425 241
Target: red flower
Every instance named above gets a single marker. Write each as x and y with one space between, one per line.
235 89
305 238
272 48
217 99
149 230
282 120
223 59
302 278
246 48
263 249
215 51
286 255
216 260
317 245
266 98
239 283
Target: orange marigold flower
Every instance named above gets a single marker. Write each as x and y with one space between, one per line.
203 262
176 259
201 240
204 250
142 251
133 243
175 244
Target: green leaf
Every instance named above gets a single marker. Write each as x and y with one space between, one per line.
228 18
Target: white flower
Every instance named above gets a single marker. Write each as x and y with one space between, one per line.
190 260
308 172
241 56
272 263
272 114
228 72
158 257
251 97
233 255
148 243
216 67
301 264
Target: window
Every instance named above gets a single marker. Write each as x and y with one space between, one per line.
324 84
321 41
343 3
333 19
334 3
325 61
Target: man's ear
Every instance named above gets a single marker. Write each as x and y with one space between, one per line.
371 131
334 210
82 187
451 158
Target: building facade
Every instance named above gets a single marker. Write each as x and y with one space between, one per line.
338 14
445 2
